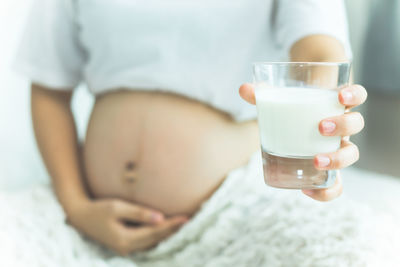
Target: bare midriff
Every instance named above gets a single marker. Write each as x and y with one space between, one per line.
161 150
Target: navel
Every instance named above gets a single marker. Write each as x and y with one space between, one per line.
130 165
130 173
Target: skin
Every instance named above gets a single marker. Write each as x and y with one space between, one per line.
323 48
101 219
348 124
105 219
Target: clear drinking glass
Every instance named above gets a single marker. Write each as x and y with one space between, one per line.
292 98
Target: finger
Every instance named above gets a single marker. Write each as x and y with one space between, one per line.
246 91
148 236
353 96
131 212
345 156
346 124
328 193
162 230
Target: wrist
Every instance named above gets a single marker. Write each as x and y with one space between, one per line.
75 210
73 203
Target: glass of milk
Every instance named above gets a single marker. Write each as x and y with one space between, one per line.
292 98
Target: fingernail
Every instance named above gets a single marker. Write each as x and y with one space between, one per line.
156 217
328 126
308 192
347 96
323 161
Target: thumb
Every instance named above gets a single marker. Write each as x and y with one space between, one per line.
246 91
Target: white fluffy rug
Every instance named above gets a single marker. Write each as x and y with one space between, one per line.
245 223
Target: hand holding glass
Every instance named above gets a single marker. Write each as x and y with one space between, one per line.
292 98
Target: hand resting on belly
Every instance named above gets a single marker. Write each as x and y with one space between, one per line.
162 151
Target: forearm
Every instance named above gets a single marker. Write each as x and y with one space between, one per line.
318 48
56 137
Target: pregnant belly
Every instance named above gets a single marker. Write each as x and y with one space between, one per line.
161 150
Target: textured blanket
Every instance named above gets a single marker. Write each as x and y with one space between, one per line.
245 223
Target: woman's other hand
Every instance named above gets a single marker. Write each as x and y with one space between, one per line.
345 125
122 226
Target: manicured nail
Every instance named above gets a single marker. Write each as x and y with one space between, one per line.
323 161
347 97
308 192
328 126
156 217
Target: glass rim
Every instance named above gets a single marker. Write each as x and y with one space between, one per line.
300 63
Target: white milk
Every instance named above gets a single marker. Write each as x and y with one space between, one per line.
289 117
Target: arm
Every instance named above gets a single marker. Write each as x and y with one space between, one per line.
318 48
102 219
56 137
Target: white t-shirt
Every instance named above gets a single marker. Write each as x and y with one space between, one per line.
200 49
